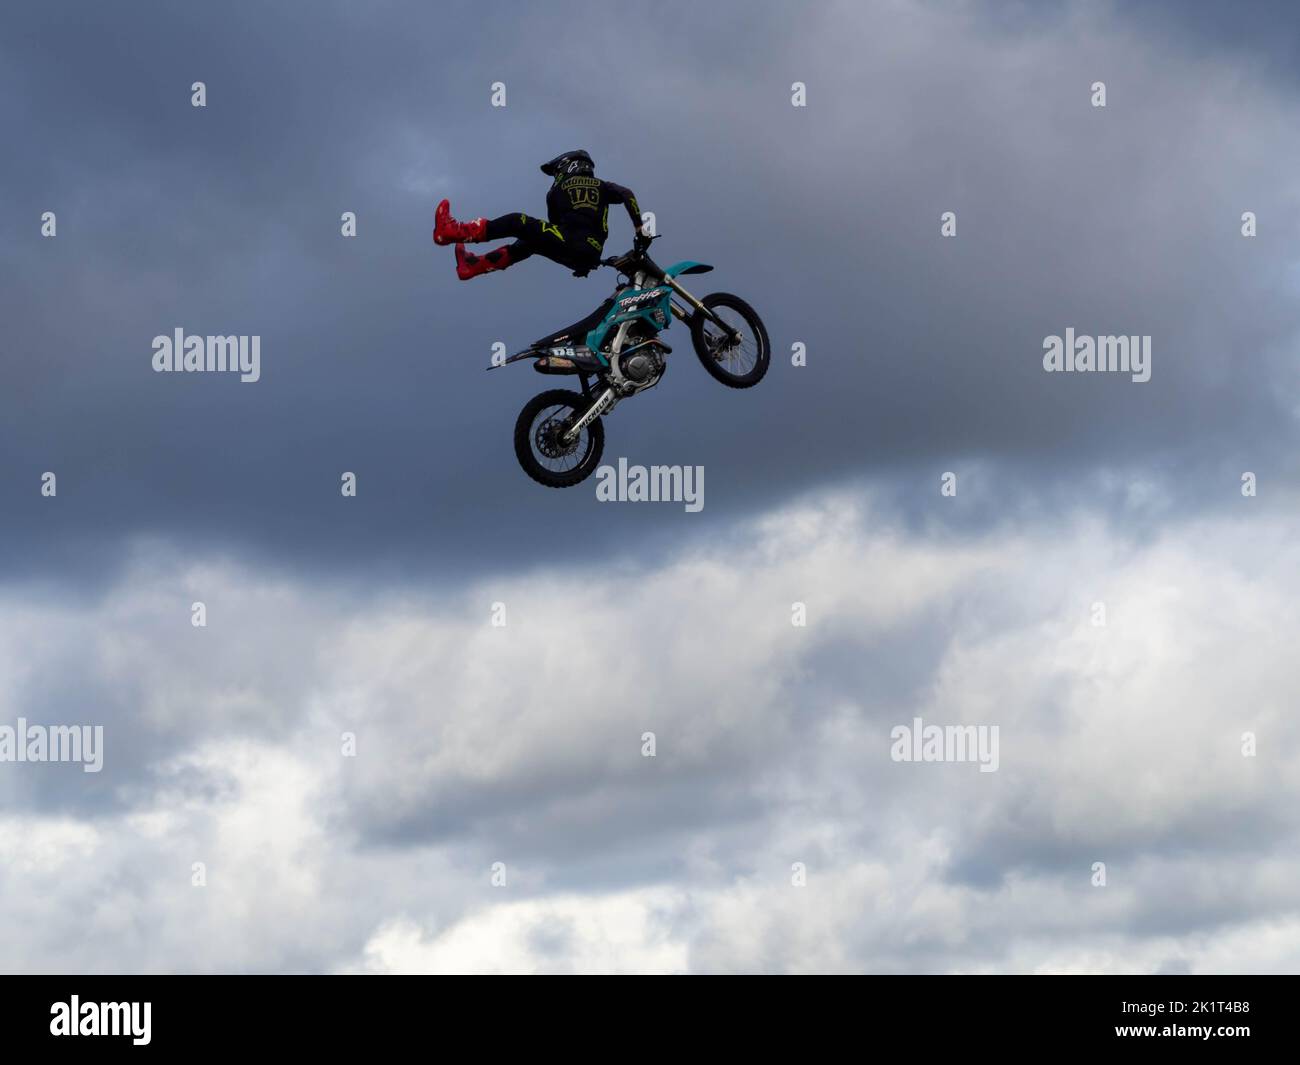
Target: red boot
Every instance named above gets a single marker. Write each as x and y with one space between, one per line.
470 265
446 230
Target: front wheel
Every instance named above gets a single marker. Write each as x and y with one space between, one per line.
737 356
547 458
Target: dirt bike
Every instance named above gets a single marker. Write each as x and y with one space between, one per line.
616 352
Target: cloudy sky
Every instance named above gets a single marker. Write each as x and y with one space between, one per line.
771 831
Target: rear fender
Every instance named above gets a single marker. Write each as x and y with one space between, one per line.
531 353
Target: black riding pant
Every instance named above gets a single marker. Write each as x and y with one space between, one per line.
574 248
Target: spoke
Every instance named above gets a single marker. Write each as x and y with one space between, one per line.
741 357
572 457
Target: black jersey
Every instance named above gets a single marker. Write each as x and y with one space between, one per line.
580 203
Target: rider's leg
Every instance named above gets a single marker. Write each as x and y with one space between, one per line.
545 238
577 251
446 230
470 265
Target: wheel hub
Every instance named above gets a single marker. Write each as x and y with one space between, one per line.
549 438
724 345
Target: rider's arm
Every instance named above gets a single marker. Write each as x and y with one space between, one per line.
625 196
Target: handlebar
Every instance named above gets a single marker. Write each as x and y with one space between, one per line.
639 247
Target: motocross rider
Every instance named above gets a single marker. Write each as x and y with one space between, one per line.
573 234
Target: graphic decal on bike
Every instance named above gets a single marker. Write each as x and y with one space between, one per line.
652 305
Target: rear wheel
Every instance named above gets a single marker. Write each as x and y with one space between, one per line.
738 356
545 457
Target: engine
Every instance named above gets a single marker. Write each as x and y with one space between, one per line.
639 368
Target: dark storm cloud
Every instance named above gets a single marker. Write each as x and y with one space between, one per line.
923 353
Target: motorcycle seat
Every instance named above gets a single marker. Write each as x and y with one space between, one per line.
577 332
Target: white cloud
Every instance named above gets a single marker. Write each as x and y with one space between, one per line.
522 744
616 933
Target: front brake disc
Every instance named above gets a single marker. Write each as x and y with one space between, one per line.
549 439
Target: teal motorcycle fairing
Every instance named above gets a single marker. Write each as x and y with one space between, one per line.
649 304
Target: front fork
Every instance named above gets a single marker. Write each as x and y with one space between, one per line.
604 403
683 315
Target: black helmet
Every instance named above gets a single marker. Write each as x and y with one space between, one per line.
574 162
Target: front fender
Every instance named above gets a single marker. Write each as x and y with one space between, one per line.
687 266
